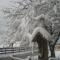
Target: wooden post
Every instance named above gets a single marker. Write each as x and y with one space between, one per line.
43 50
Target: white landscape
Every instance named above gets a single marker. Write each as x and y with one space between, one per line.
26 23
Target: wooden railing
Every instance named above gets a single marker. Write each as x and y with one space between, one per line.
15 49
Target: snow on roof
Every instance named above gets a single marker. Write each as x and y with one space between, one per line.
44 32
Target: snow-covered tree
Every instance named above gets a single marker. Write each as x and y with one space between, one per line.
51 21
26 15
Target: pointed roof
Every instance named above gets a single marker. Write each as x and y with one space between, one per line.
42 31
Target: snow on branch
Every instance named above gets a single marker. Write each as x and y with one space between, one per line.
38 17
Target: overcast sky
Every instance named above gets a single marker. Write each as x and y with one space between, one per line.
3 22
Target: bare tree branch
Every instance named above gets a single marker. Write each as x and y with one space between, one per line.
56 39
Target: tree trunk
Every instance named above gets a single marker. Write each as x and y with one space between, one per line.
52 51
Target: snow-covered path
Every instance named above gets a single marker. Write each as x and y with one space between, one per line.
57 54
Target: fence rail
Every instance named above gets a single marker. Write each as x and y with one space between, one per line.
15 49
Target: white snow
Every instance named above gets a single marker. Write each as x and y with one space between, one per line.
42 31
57 54
17 44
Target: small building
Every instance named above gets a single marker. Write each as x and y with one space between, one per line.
41 36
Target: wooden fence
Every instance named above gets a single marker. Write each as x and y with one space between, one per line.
15 49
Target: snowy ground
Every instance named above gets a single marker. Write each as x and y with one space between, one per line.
27 54
57 54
